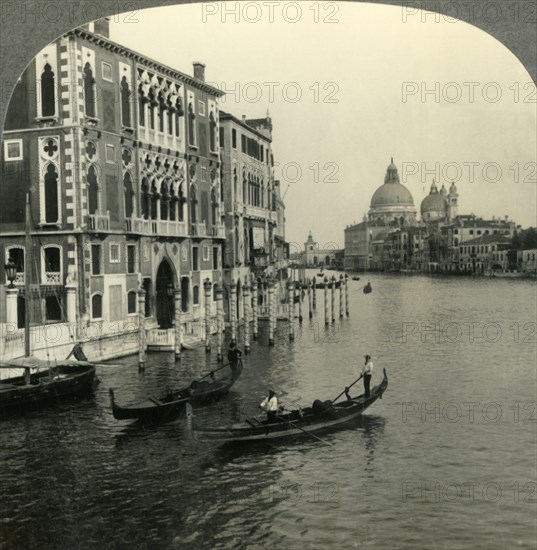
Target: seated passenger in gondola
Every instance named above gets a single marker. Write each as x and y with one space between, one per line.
270 404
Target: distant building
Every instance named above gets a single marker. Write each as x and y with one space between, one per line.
390 238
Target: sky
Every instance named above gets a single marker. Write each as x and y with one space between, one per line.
348 86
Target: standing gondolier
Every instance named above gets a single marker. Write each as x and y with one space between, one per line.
367 373
233 356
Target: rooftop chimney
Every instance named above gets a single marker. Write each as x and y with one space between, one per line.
199 70
102 27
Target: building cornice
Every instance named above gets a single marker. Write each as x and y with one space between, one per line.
142 59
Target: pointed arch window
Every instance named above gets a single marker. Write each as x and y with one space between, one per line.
152 104
212 132
181 203
52 212
155 196
145 198
161 114
214 207
173 203
89 91
164 201
193 204
93 190
48 92
191 126
141 106
129 195
125 102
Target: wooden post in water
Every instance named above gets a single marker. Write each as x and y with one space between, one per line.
290 300
310 297
341 284
346 294
300 291
207 286
333 297
314 292
141 329
254 308
246 301
325 290
177 317
219 323
271 312
233 310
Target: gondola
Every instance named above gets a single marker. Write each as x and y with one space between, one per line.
172 406
48 381
320 417
355 278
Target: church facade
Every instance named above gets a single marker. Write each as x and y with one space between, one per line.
391 237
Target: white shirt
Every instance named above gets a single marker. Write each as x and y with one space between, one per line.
368 368
270 404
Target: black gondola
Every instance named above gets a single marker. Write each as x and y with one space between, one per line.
320 417
50 381
172 406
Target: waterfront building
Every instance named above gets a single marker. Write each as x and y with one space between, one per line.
254 211
483 255
121 156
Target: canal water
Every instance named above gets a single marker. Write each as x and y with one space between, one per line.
446 460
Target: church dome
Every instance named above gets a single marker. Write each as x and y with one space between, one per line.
434 205
392 192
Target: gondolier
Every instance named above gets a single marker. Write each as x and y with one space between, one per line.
270 404
367 373
233 356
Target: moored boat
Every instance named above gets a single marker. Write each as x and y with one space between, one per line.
320 417
44 381
172 405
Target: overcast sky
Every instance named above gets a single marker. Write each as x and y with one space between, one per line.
361 80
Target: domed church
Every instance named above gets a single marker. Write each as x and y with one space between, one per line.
439 206
392 201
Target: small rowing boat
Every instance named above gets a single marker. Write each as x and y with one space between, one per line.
155 410
322 416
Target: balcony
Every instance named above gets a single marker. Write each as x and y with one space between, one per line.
163 228
52 278
139 226
168 228
256 212
198 229
219 231
99 222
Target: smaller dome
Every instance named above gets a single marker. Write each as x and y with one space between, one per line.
443 191
433 207
453 187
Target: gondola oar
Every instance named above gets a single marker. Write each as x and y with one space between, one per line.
303 430
213 371
347 388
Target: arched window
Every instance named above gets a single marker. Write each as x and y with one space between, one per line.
212 132
181 203
141 106
152 104
173 203
145 198
215 290
193 204
51 194
195 295
191 128
125 103
89 91
161 115
155 196
129 195
16 255
164 201
244 188
214 207
48 93
97 306
93 190
131 301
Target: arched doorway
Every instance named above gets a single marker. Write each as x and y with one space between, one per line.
164 291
